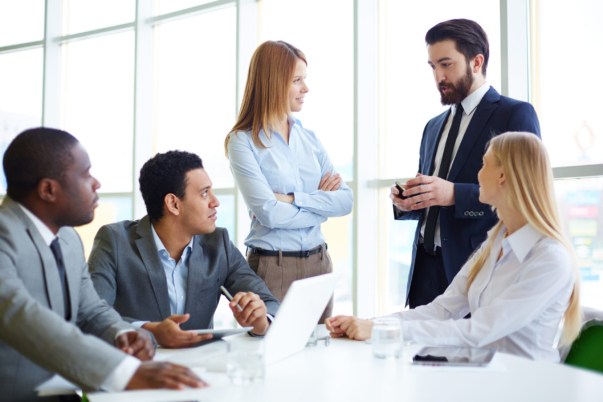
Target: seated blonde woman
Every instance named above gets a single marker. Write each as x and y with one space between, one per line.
520 283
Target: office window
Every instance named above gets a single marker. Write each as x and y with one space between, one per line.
97 107
87 15
408 99
566 96
21 21
408 94
109 210
329 105
195 88
97 104
20 96
169 6
579 204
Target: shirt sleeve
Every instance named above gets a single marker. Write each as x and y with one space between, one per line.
544 281
121 376
258 194
326 203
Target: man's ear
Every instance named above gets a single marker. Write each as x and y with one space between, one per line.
48 190
477 64
172 204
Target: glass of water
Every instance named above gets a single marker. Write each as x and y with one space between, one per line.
245 360
387 338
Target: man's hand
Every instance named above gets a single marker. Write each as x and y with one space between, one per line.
330 183
169 334
284 198
253 314
352 327
152 375
432 191
137 344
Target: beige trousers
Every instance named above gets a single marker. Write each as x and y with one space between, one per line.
279 272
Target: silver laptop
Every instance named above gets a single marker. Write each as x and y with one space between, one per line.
298 315
295 320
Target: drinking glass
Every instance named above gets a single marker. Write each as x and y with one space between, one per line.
245 361
387 338
313 340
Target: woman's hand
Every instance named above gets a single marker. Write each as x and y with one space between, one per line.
330 183
284 198
352 327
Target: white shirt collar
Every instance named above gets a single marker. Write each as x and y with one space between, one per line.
161 247
44 230
523 240
472 100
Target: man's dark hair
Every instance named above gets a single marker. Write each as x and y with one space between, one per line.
468 35
36 154
165 174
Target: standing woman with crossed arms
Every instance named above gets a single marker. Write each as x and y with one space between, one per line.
284 173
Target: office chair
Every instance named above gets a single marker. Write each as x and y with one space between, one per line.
587 350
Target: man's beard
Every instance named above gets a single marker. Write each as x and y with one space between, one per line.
456 92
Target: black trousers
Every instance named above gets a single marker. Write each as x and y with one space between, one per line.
428 278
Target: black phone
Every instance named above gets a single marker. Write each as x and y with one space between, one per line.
400 188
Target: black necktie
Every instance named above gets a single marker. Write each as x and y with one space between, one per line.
58 256
434 211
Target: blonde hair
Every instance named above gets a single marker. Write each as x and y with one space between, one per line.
266 96
529 179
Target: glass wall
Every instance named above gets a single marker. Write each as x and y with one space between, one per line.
20 96
568 106
568 100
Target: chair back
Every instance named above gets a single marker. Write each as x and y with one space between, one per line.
587 350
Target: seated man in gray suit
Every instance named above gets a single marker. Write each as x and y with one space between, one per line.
51 319
164 272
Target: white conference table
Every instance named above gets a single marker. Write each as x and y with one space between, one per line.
347 371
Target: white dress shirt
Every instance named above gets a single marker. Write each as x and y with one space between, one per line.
120 377
469 105
516 304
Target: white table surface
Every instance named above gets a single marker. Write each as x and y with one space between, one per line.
347 371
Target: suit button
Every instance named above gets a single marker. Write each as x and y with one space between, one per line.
466 213
481 213
472 213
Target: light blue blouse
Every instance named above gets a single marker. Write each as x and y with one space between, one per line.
297 169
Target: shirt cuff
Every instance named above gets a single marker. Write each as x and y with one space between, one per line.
301 199
139 324
270 318
121 376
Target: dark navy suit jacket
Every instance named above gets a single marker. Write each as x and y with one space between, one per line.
464 225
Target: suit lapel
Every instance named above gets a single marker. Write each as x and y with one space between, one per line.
150 257
196 270
49 264
432 147
484 110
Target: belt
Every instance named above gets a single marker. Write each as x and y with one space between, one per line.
298 254
437 252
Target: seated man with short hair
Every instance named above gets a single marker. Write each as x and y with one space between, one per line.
164 271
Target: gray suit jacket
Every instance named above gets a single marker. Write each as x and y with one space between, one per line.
35 339
127 272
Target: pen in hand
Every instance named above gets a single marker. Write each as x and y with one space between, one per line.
229 297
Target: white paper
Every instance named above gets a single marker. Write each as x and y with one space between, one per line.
57 385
